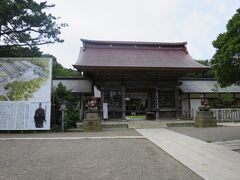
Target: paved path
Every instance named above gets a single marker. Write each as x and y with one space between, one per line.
208 160
72 138
88 159
234 145
210 134
230 124
71 134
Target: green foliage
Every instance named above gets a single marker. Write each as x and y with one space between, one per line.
223 101
27 23
61 94
208 74
227 100
61 91
226 60
16 51
58 69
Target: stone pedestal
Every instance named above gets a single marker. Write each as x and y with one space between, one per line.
92 122
205 119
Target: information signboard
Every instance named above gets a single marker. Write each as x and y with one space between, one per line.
25 93
105 110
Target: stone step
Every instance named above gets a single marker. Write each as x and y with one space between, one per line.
191 124
119 126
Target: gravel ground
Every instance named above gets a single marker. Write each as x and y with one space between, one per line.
73 134
103 159
210 134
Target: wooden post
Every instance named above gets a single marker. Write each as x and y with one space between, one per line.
156 104
102 101
177 103
189 101
123 103
149 101
191 115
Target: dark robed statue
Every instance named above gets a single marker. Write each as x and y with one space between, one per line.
39 116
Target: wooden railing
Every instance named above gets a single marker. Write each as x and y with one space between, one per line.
227 114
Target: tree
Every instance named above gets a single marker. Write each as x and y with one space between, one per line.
208 74
61 94
58 69
16 51
26 23
226 60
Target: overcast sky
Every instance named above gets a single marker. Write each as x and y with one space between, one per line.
196 21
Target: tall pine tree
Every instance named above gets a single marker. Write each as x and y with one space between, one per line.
27 23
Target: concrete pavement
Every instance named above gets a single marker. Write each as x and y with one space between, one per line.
88 159
210 161
210 134
234 145
72 138
230 124
125 132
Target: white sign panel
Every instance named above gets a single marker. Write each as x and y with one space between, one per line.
25 93
105 110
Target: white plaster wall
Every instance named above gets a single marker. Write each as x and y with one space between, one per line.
195 103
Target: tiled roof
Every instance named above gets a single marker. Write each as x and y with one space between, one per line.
205 86
136 55
131 43
75 85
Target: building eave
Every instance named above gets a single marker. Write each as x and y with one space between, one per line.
123 68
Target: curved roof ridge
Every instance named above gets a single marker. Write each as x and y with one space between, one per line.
104 42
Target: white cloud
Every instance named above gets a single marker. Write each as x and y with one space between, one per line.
198 22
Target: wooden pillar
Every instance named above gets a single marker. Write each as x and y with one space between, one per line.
149 101
123 103
156 103
102 101
189 101
177 103
191 112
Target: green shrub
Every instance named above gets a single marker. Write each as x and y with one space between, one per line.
227 100
71 116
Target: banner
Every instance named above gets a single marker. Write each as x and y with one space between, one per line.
25 93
